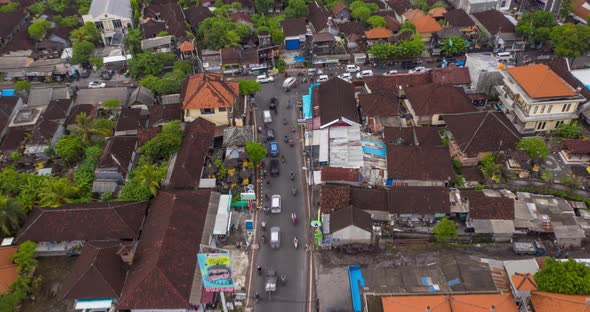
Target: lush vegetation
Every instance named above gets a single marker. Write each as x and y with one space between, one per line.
376 21
297 8
256 151
249 87
534 147
362 10
405 48
38 29
453 46
218 32
490 168
536 26
24 284
10 7
22 85
445 230
84 40
571 40
270 24
571 131
170 82
163 145
567 277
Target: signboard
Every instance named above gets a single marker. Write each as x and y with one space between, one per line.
216 271
247 196
249 225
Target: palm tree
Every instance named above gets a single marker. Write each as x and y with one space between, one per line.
11 213
149 176
57 191
88 128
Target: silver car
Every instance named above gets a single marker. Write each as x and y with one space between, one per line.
275 237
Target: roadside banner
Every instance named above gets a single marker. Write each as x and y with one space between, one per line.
216 271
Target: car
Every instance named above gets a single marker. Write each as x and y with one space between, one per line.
345 76
274 102
274 167
267 116
264 79
314 72
106 74
270 134
84 72
274 149
290 82
418 69
364 73
323 78
96 85
391 72
275 237
352 68
275 204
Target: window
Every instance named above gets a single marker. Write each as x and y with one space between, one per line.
559 123
549 109
187 113
223 109
566 108
535 110
117 23
541 125
542 109
99 25
208 111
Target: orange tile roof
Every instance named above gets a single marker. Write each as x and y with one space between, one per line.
447 303
437 12
209 90
539 81
8 273
551 302
187 46
524 281
581 9
378 33
426 24
413 14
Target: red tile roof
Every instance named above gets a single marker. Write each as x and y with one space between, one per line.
426 24
333 197
209 90
379 104
393 82
8 270
450 303
539 81
489 208
378 33
334 174
338 7
577 146
451 75
551 302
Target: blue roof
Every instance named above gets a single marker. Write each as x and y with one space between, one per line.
8 92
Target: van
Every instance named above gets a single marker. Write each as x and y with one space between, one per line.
504 56
275 204
275 237
352 68
267 117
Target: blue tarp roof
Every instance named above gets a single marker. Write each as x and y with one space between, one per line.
8 92
306 99
299 59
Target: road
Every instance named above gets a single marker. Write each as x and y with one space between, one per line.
285 260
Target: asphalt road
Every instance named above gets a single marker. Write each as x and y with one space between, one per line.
285 260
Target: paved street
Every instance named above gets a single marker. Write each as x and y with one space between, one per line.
286 260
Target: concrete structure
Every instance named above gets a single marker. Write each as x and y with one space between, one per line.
474 6
484 72
112 17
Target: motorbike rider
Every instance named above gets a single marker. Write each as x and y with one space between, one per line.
263 225
295 241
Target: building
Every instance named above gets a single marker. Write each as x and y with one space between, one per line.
209 96
452 75
473 136
427 103
460 18
113 18
163 44
335 104
97 96
295 30
521 276
342 12
164 17
320 19
419 166
115 164
8 269
10 25
379 109
575 152
549 302
9 107
426 26
476 6
415 136
379 34
195 14
350 225
491 213
536 99
450 302
484 71
501 29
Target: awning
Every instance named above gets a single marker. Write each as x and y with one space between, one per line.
85 304
223 214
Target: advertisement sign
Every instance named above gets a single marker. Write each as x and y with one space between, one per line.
216 271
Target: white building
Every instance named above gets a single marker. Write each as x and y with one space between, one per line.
112 17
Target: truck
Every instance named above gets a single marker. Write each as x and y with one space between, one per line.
529 248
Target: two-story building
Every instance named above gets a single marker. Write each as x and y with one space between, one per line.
209 96
112 17
536 99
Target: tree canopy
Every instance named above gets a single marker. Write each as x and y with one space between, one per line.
404 48
256 151
567 277
145 63
376 21
263 6
88 32
219 32
165 143
445 230
535 147
571 131
70 148
453 46
296 8
571 40
490 168
83 50
9 7
536 26
407 26
38 29
133 41
22 85
249 87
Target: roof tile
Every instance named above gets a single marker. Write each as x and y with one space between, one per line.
208 90
539 81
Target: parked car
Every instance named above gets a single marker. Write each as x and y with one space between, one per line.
270 134
290 82
418 69
323 78
364 73
96 85
352 68
107 74
274 149
314 72
264 79
266 116
345 76
84 72
391 72
274 167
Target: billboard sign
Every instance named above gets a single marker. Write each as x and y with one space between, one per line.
216 271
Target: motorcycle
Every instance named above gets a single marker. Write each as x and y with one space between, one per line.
292 175
259 129
291 142
292 128
295 242
284 121
294 191
263 224
283 159
293 218
286 138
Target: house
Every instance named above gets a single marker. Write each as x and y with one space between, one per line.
412 14
340 175
341 12
320 19
416 204
162 114
336 104
98 274
237 60
11 24
426 103
45 134
21 45
353 32
165 272
460 18
323 43
392 23
130 120
476 6
187 50
437 13
490 213
521 276
536 99
163 44
575 78
47 49
419 165
579 11
57 229
167 14
115 164
379 109
295 30
113 18
97 96
575 152
484 70
209 96
142 98
9 106
547 302
350 225
186 168
60 34
395 82
426 26
242 18
377 35
399 7
195 14
473 136
500 302
451 75
503 31
88 109
428 136
8 269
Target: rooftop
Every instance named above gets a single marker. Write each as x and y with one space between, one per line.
208 90
407 136
451 75
335 99
495 207
433 99
393 82
120 8
379 104
8 270
426 163
459 18
495 22
426 24
342 218
551 302
378 33
294 26
539 81
448 303
97 96
118 153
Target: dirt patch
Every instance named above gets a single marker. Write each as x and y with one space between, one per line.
48 297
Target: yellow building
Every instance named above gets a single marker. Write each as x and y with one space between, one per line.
209 96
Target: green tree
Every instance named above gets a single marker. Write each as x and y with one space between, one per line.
184 66
83 50
163 34
547 176
534 147
489 167
407 26
249 87
68 21
112 104
376 21
96 61
88 32
262 6
453 46
171 83
256 151
149 176
565 9
381 50
409 48
22 86
277 36
422 5
133 41
151 82
569 181
536 26
571 131
38 29
296 8
89 129
571 40
37 8
144 182
445 230
362 13
219 32
57 5
564 277
187 3
166 143
11 214
10 7
70 148
25 258
145 64
57 191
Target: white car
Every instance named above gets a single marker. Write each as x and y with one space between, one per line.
264 79
419 69
364 73
352 68
391 72
345 76
323 78
96 85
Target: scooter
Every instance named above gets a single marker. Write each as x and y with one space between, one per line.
291 142
284 121
295 242
294 191
286 138
293 218
283 159
292 175
292 128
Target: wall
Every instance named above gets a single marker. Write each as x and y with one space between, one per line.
421 182
219 118
353 233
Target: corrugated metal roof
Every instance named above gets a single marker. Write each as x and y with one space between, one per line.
345 147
